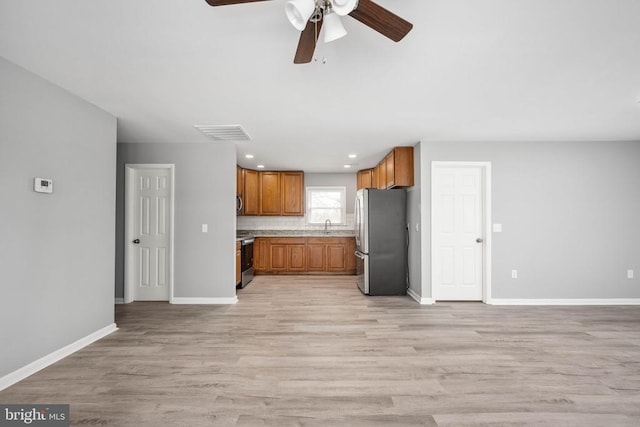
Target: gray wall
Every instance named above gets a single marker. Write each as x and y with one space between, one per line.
348 180
569 212
205 177
413 219
56 249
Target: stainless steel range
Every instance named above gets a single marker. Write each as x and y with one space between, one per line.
246 260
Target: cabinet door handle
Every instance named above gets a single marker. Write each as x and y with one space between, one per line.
136 241
479 240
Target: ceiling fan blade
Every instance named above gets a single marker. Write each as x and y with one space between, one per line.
380 19
307 43
226 2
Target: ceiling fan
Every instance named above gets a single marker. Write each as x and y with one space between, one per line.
308 16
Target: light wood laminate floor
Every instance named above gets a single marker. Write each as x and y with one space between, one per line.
313 351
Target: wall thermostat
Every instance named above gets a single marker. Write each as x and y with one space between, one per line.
43 185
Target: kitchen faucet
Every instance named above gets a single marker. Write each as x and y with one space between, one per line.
327 223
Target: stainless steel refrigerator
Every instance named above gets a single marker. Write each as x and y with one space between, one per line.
381 241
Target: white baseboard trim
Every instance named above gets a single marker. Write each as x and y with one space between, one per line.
419 299
568 301
51 358
216 301
119 301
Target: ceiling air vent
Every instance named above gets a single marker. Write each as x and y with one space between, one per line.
224 132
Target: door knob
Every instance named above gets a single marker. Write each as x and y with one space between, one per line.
479 240
137 241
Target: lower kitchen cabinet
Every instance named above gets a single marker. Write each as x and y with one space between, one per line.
305 255
316 257
296 259
286 255
336 257
261 254
351 255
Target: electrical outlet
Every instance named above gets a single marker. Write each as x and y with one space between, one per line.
629 274
205 228
514 274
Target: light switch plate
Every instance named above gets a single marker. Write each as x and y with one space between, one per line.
497 228
205 228
43 185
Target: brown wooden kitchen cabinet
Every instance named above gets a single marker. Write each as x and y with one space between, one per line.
305 255
261 254
287 255
394 171
337 256
351 255
271 193
316 255
400 167
292 193
382 174
365 178
251 194
389 170
287 258
296 259
277 257
375 176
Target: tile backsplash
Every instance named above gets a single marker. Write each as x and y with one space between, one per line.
288 223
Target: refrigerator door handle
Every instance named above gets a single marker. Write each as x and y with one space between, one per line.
357 219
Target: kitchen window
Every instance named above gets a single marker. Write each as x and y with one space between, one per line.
326 203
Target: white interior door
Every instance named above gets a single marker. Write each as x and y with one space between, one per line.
149 210
457 233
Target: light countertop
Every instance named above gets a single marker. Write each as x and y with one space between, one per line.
296 233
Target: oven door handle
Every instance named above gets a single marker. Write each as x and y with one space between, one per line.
247 242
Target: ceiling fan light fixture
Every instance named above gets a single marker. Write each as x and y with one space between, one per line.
299 11
333 28
344 7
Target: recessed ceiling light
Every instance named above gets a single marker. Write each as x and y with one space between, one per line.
260 166
353 156
347 166
249 156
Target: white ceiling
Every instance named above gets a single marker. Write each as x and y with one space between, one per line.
504 70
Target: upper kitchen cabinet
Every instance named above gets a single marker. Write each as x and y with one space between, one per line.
375 176
271 193
251 194
400 167
365 178
382 174
394 170
292 193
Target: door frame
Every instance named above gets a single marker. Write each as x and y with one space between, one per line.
129 220
485 173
